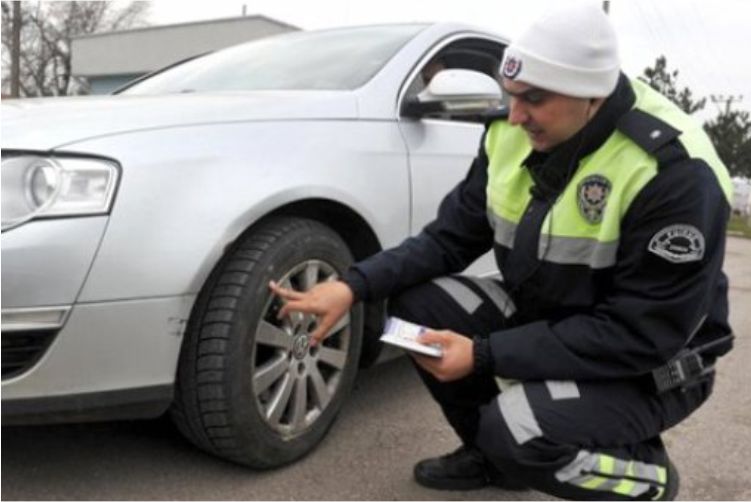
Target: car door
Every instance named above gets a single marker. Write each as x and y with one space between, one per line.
440 149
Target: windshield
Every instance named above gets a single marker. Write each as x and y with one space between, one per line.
338 59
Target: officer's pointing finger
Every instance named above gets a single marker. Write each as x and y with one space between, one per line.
320 332
287 294
291 306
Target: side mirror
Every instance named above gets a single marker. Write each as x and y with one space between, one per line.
455 93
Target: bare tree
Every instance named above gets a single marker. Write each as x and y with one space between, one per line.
665 81
46 31
15 57
730 132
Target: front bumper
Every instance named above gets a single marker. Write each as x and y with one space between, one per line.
46 262
27 334
106 360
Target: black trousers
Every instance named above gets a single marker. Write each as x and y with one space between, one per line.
585 440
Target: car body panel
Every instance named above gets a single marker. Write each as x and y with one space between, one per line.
108 346
27 124
440 153
31 278
221 186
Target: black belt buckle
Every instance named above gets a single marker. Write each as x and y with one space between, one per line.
685 370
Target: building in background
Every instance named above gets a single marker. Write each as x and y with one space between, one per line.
109 60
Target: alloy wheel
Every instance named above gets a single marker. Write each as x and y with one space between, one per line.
293 383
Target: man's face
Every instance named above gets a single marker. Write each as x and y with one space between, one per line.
548 118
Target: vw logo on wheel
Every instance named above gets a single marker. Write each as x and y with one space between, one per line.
300 346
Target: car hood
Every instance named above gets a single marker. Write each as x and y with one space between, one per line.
46 123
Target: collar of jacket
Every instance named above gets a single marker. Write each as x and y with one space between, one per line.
551 171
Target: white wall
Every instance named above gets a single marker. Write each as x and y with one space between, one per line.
147 49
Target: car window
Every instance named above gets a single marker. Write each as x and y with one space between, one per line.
470 54
341 59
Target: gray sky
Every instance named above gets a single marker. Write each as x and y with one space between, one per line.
705 40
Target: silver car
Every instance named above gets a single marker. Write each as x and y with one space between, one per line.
140 230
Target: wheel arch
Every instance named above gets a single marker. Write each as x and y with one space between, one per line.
353 228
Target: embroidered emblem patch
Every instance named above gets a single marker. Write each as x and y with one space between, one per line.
593 195
511 67
678 244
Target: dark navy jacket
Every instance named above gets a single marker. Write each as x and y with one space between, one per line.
573 322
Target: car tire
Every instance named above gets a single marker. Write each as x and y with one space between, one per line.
293 394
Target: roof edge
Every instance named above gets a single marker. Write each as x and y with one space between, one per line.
189 23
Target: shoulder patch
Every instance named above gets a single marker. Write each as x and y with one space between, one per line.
649 132
678 244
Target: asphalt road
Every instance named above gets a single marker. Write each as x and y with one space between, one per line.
387 425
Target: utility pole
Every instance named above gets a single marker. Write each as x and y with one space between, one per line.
728 100
15 53
606 6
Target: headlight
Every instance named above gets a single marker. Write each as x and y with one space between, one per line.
36 187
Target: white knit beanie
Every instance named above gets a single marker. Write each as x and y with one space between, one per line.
572 51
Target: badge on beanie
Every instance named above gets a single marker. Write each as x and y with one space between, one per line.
593 194
511 67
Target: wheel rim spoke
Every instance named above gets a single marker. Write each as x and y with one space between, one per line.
292 389
270 373
268 334
280 401
295 318
320 390
287 284
310 276
343 323
333 357
300 404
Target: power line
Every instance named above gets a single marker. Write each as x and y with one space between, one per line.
726 99
692 54
698 58
702 43
648 24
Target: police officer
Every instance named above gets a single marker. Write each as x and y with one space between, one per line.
606 208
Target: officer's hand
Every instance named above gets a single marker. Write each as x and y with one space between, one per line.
330 301
458 357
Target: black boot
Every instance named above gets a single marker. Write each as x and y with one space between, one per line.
463 469
673 484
